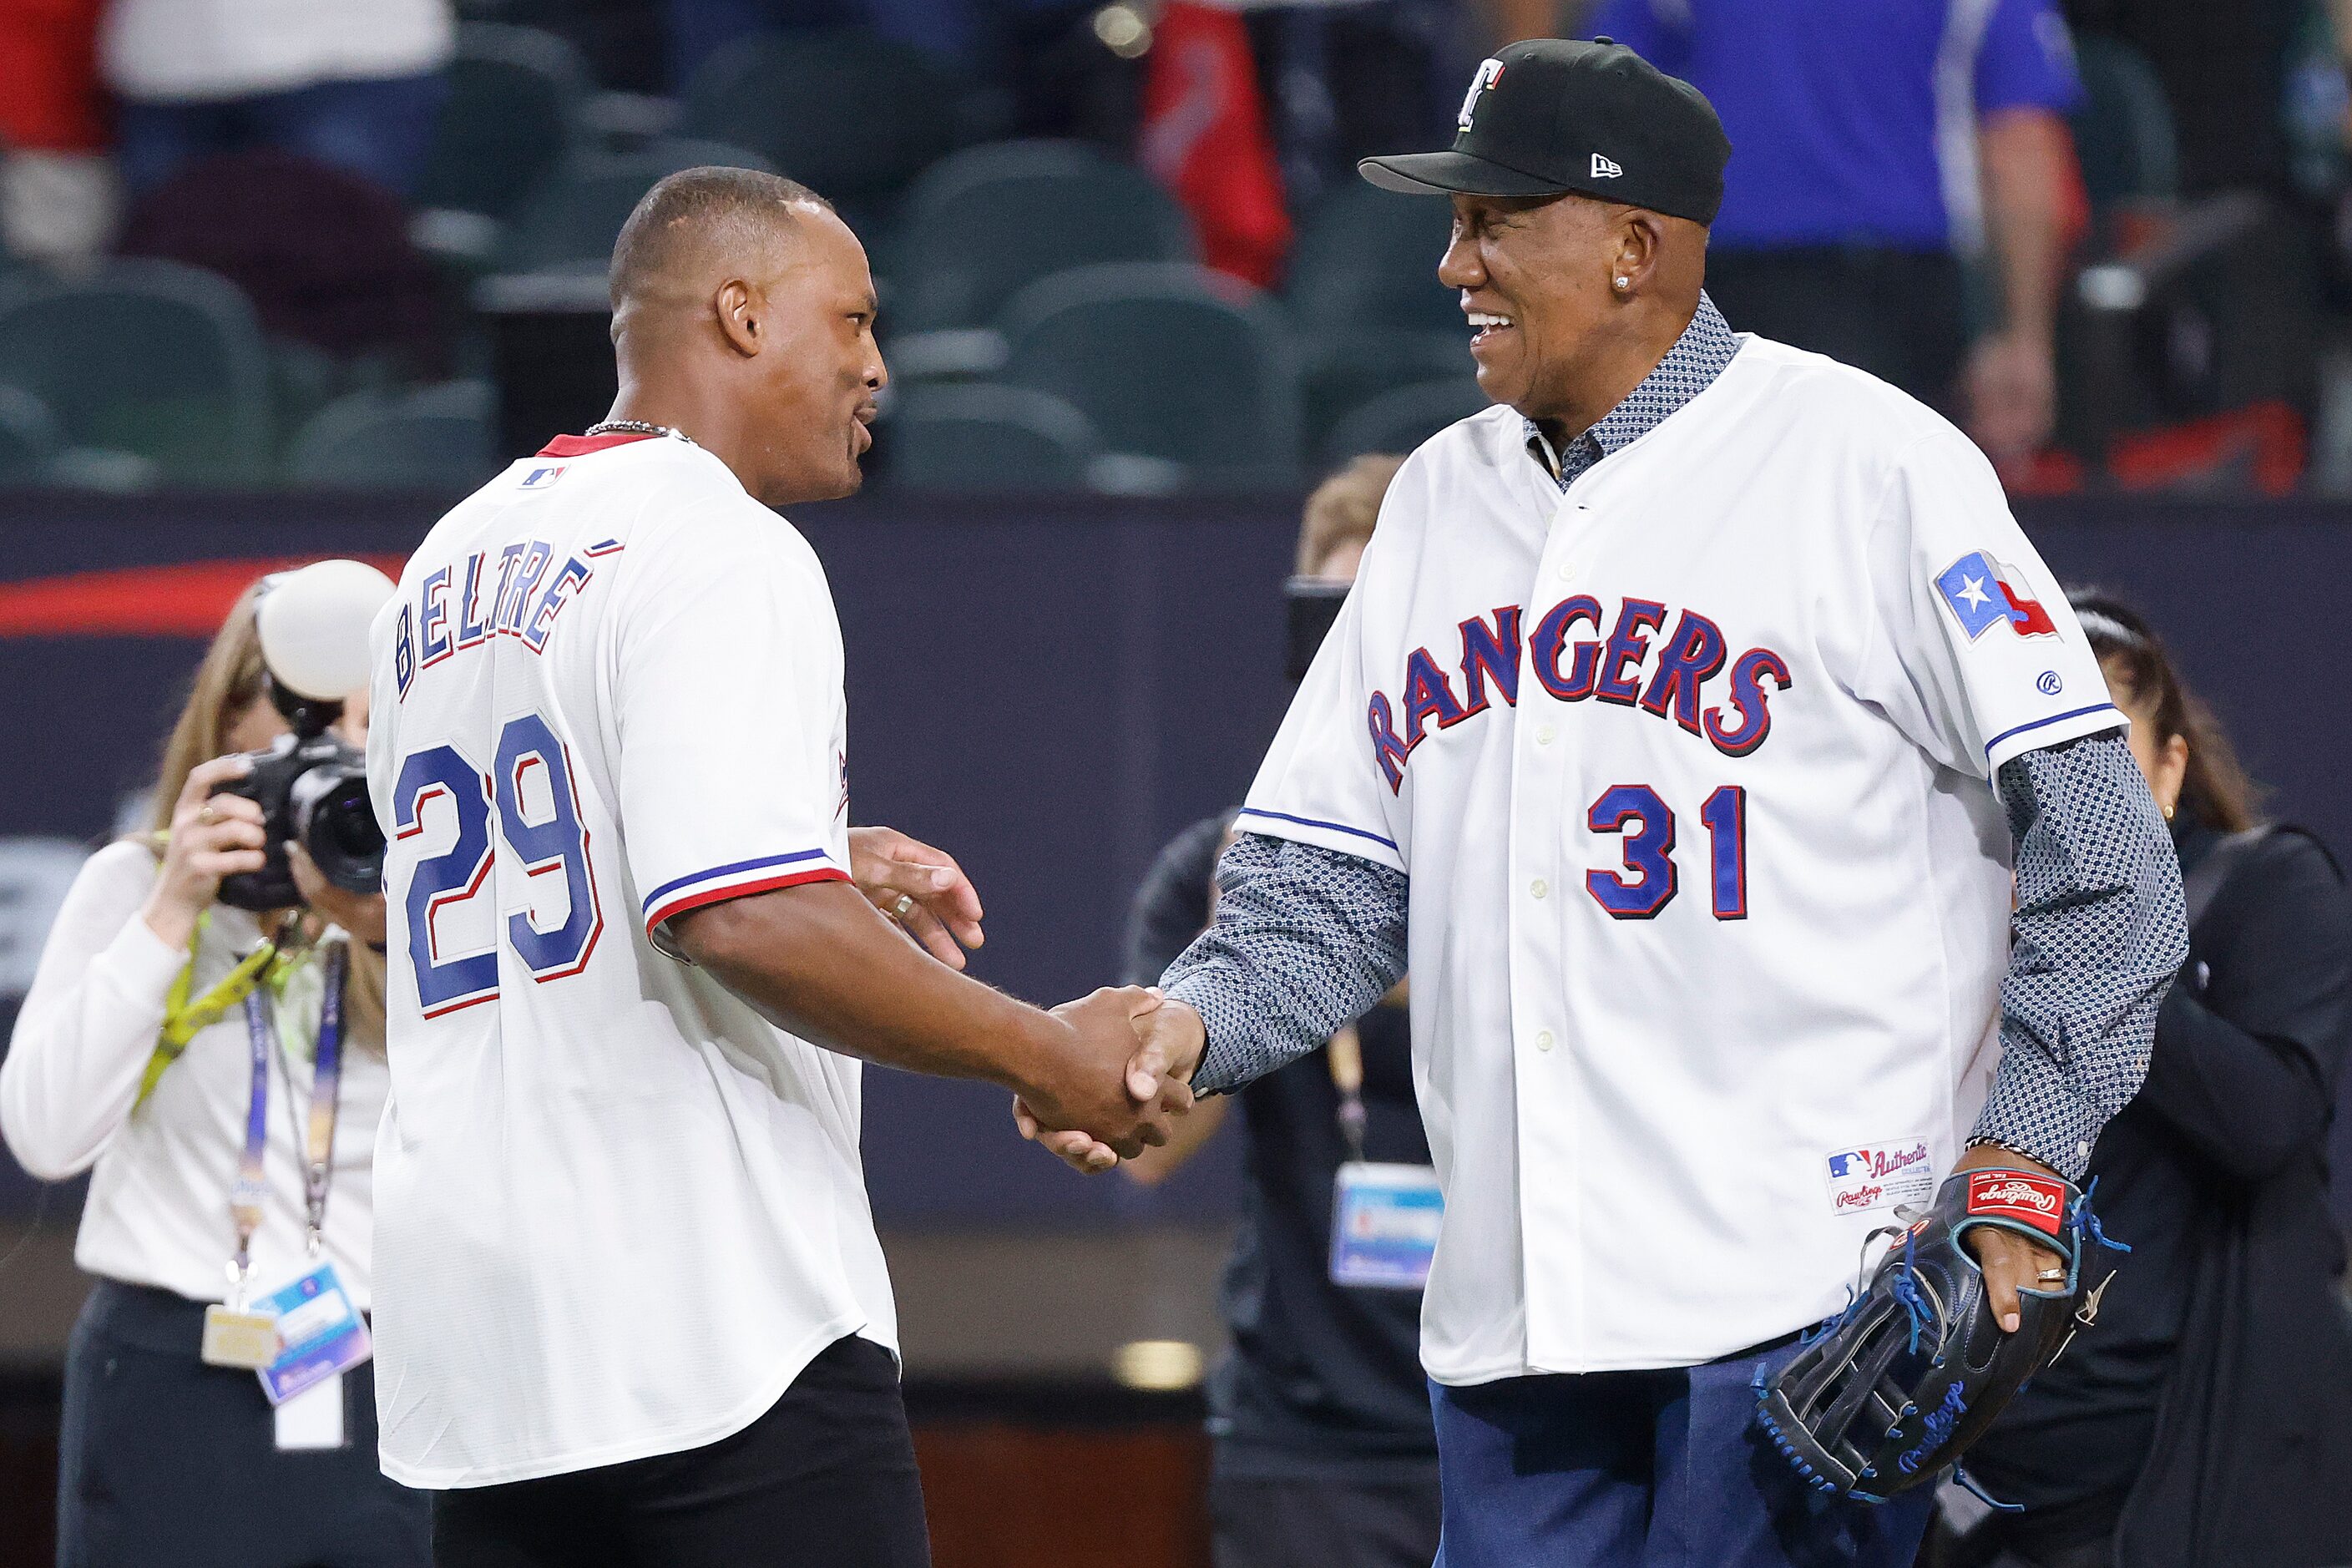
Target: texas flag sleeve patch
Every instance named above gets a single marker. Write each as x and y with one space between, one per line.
1984 592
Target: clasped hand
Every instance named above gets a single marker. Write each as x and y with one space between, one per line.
1155 1052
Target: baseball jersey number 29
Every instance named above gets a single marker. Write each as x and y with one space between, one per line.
1648 825
538 814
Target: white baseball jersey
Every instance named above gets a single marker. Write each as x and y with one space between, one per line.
1689 767
616 1211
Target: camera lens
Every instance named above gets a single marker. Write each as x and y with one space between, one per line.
336 822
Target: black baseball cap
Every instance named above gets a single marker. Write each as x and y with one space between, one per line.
1551 115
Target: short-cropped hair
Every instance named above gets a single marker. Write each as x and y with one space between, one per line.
690 208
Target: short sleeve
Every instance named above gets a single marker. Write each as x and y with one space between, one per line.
1638 24
728 708
1325 782
1983 659
2027 60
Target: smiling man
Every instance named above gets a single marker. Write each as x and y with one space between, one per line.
1682 732
630 1306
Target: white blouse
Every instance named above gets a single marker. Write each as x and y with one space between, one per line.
158 1207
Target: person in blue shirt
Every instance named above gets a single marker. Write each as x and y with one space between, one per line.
1876 145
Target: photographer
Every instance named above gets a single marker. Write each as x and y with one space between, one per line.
198 1057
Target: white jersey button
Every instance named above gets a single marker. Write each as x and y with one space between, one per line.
1539 887
1543 1039
1546 735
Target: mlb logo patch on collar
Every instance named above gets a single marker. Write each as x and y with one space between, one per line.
539 479
1983 592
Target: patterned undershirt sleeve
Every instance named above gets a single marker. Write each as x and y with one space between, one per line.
1305 941
2098 933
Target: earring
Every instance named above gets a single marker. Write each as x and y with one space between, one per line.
1622 284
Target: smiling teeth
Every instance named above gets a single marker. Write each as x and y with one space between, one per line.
1480 320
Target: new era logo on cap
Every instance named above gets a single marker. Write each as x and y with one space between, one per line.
1489 73
1602 169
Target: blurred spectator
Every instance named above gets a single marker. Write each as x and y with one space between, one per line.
700 28
57 184
1205 135
2202 1419
1873 147
1323 1454
1347 78
354 83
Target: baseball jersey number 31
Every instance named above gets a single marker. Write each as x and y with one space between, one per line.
537 816
1650 881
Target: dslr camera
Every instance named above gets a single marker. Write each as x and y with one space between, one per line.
311 785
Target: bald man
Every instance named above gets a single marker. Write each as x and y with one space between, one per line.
630 1308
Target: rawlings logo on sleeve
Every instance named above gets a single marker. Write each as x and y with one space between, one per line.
2036 1201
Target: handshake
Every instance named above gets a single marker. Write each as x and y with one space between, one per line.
1124 1070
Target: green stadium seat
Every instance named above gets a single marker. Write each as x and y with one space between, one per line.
853 116
1168 361
512 119
435 438
1403 418
577 215
1362 286
148 358
29 437
2122 129
983 223
985 437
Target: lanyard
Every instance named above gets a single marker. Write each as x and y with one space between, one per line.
1345 1055
269 965
252 1186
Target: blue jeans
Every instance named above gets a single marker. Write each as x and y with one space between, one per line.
1643 1470
381 129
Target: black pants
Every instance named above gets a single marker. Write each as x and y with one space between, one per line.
825 1480
1898 314
1261 1522
163 1460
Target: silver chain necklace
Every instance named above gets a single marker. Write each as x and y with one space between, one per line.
638 427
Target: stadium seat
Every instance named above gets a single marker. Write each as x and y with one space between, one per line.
148 358
1368 258
984 223
2122 129
511 118
29 437
1168 361
983 437
438 438
813 104
1401 419
1362 286
575 218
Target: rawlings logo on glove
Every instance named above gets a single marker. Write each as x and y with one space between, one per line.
2039 1200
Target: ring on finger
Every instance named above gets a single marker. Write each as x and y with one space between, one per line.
208 815
2050 1276
904 907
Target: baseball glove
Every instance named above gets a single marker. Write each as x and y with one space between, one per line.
1888 1393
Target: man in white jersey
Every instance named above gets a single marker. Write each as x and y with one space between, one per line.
630 1304
1687 719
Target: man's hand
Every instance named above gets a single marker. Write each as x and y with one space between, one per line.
920 888
2013 388
1167 1049
2009 1261
1100 1100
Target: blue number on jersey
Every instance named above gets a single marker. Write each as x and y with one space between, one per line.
444 985
449 877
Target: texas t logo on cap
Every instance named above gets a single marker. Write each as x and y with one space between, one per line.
1489 72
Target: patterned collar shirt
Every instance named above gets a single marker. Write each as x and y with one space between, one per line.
1690 367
